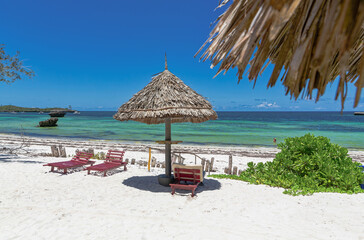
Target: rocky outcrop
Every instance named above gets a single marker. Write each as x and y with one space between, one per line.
52 122
57 114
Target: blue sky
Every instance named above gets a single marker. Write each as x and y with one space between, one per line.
94 55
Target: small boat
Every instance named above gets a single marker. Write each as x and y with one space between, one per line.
76 112
40 112
13 112
359 113
57 113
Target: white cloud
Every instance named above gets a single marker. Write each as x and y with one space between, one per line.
268 105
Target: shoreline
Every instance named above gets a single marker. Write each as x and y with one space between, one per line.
235 151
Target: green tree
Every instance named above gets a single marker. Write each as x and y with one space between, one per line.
12 68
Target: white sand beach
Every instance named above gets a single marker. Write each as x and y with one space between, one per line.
38 204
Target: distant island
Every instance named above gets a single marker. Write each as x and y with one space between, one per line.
12 108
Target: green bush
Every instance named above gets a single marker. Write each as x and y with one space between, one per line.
99 156
306 165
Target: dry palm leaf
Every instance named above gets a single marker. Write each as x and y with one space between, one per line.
314 41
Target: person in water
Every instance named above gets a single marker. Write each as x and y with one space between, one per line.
274 140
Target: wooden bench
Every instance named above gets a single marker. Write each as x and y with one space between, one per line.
114 159
191 175
81 159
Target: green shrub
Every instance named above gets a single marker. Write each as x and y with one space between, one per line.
306 165
99 156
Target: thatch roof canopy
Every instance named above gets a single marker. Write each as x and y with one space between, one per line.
166 96
315 41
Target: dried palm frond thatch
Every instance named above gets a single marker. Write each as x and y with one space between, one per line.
166 96
315 41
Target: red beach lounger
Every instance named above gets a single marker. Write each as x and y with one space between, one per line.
114 159
81 159
187 174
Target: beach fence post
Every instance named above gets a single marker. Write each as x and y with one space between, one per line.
203 163
62 151
235 170
207 166
212 163
195 159
55 152
154 162
150 157
230 164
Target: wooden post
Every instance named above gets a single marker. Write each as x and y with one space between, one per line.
55 152
226 170
62 151
195 159
179 158
168 139
154 161
203 163
207 166
230 164
91 150
150 157
235 170
132 161
239 173
212 163
127 161
174 158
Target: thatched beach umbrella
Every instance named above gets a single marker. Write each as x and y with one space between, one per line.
315 41
166 99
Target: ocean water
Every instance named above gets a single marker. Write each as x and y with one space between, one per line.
231 128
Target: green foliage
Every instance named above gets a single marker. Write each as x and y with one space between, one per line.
11 67
11 108
306 165
99 156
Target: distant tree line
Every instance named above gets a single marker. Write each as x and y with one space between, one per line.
12 108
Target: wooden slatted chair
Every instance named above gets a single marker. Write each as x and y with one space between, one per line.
191 175
114 159
81 159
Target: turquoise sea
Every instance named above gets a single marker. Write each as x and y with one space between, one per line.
231 128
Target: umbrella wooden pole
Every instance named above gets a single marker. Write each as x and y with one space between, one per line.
168 147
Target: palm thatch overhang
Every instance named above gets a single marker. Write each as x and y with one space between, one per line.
314 41
166 96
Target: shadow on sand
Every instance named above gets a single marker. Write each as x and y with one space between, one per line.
6 158
150 183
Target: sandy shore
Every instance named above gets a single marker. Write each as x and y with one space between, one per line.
37 204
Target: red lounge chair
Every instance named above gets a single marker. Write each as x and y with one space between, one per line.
114 159
187 174
81 159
